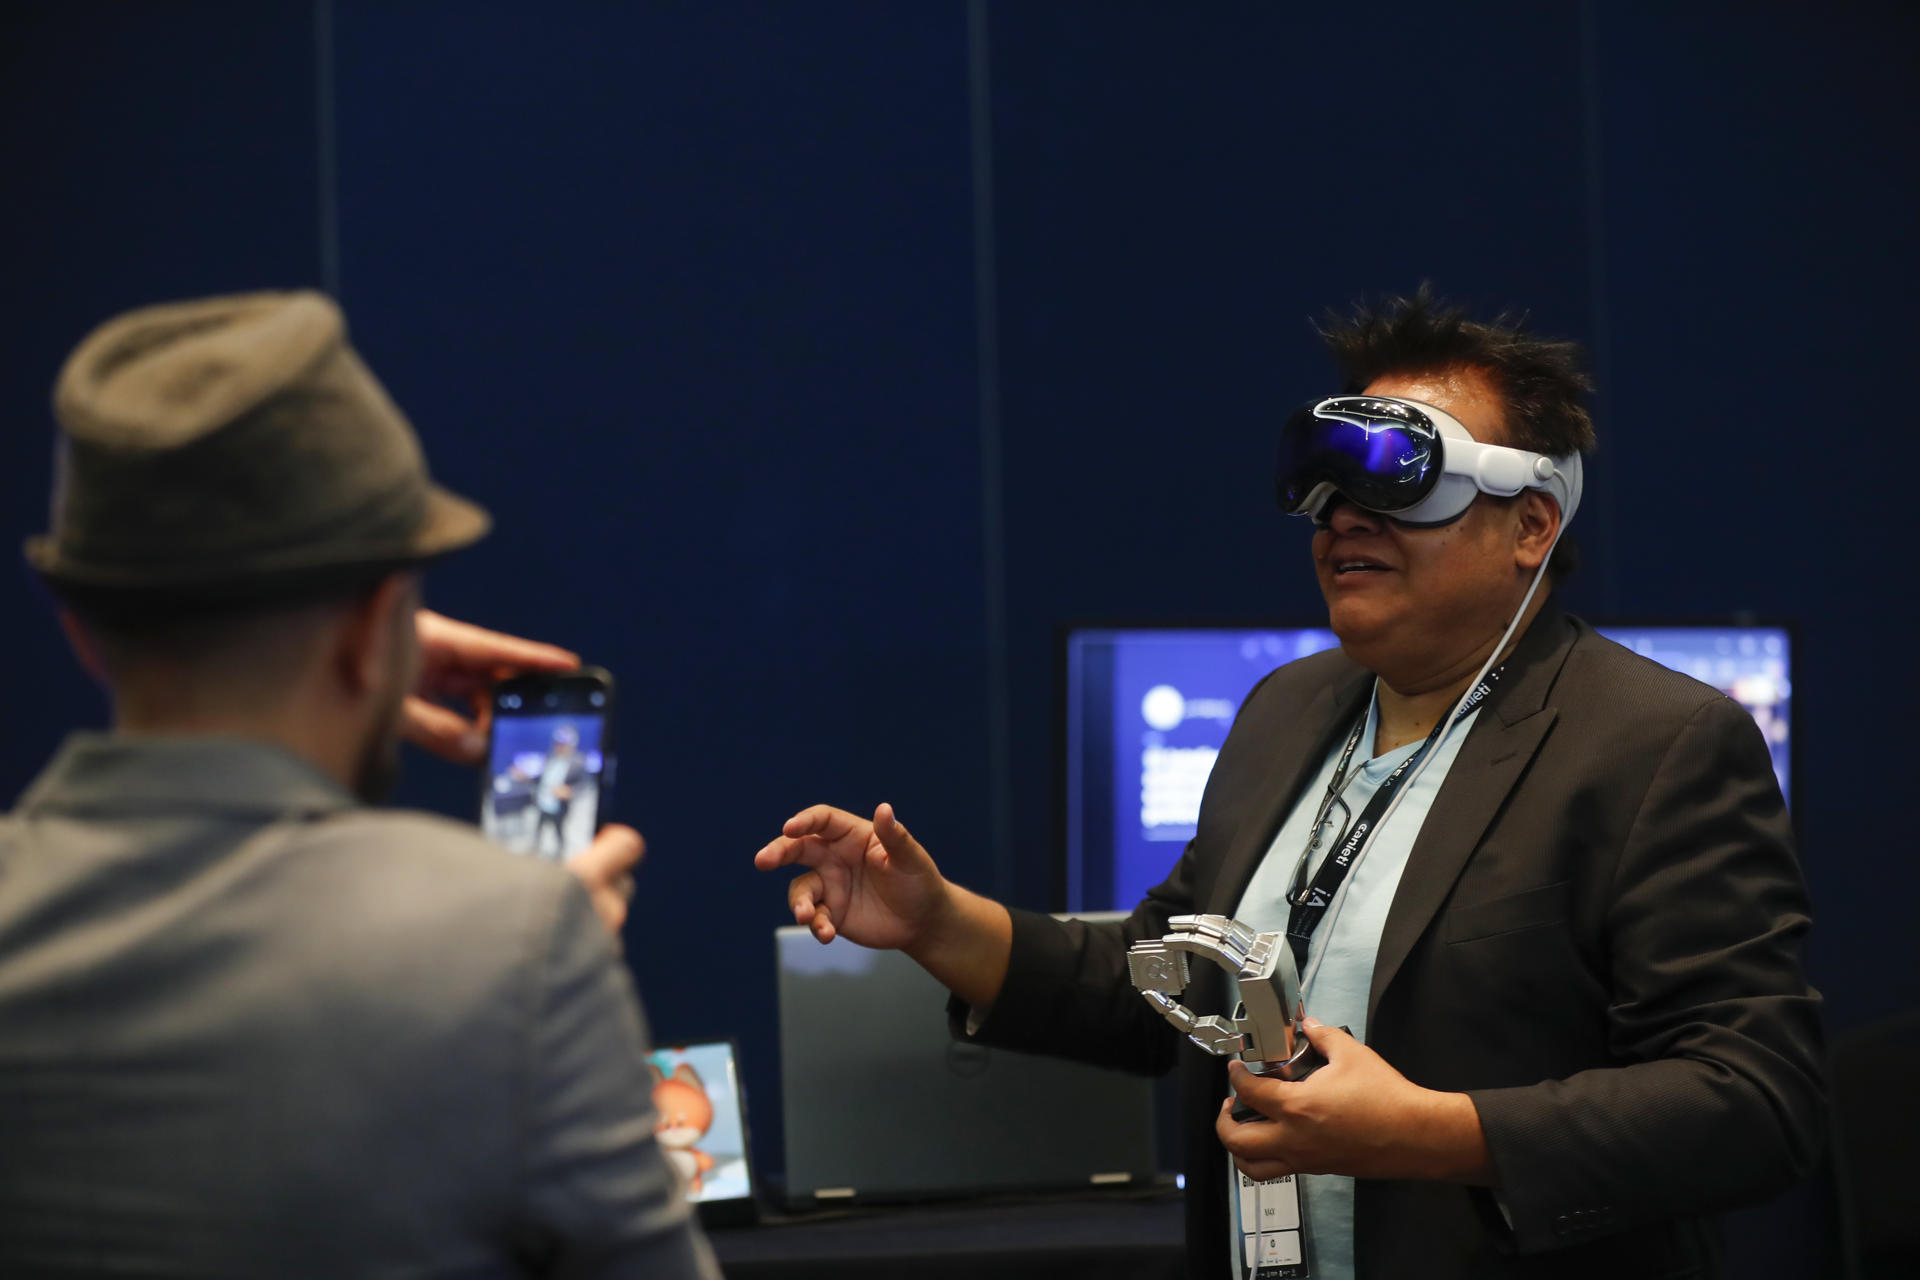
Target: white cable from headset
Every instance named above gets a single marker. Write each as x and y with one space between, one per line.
1406 788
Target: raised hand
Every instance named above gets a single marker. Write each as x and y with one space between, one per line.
459 663
871 881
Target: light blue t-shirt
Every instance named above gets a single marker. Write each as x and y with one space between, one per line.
1339 970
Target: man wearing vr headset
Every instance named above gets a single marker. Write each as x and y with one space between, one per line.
1548 884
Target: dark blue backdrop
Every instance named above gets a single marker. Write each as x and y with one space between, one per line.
819 361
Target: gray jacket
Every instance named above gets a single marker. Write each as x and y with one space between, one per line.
250 1028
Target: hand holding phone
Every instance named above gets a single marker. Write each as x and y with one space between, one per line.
550 762
459 663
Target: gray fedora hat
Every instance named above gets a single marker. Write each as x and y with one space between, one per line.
230 446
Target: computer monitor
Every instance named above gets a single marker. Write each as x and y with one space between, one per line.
1148 707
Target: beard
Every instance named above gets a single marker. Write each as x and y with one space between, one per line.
377 772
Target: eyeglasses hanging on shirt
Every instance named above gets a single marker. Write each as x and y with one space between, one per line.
1309 901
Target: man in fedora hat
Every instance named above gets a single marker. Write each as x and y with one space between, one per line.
252 1024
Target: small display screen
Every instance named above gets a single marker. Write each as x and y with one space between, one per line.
1748 664
1149 707
547 770
700 1122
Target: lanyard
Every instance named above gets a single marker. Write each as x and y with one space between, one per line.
1311 905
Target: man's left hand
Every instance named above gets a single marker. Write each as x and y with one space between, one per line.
1355 1116
459 664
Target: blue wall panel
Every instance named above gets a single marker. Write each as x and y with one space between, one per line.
684 294
1760 256
146 153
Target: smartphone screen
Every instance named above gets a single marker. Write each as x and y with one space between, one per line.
549 762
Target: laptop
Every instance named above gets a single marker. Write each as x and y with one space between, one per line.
882 1104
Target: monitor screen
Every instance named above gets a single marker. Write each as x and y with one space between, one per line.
1148 708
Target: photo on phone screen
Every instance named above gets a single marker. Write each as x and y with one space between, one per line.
549 763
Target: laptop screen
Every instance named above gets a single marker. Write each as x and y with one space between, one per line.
881 1102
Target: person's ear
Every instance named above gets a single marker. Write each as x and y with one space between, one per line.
376 635
84 650
1537 523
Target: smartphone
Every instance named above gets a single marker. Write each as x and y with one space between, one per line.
550 762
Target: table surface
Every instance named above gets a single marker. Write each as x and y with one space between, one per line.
1116 1235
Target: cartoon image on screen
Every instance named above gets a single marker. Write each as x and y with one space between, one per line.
544 788
696 1098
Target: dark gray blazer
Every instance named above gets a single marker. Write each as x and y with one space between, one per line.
250 1028
1597 937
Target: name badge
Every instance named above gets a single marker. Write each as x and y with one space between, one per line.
1271 1226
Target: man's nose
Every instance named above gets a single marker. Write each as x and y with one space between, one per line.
1343 517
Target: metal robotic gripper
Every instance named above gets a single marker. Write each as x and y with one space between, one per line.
1265 1029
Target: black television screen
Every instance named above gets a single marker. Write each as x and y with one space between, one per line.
1149 706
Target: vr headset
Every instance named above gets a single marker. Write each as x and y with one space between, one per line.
1405 460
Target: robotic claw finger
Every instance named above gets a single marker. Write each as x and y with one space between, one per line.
1265 1029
